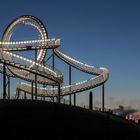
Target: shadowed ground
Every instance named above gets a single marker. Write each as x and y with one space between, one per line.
40 118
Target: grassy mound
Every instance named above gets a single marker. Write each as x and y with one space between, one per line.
41 118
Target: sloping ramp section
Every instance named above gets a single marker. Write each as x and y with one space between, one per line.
102 76
21 68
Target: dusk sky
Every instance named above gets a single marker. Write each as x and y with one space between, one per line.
102 33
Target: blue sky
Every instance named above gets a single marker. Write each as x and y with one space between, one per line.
103 33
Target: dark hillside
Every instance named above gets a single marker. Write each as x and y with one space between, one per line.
41 118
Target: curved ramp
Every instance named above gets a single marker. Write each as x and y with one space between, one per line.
102 76
27 69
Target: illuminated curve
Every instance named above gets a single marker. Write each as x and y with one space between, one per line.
26 69
102 76
23 67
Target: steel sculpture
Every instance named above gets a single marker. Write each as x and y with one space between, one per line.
35 71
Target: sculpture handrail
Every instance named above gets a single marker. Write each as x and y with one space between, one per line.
31 45
74 88
65 90
77 64
24 63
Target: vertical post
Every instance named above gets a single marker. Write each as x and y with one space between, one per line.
90 100
53 99
32 96
4 81
18 93
59 93
36 74
8 87
35 87
24 95
70 99
53 59
74 99
70 83
103 97
53 65
43 98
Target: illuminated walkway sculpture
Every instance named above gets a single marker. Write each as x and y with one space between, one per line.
36 71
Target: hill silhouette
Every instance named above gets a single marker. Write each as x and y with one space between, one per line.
41 118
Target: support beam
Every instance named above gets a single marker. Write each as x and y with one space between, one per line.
35 86
4 81
103 92
36 74
18 93
74 98
90 100
49 58
53 65
8 87
32 96
44 98
53 99
70 83
25 97
70 99
53 59
59 93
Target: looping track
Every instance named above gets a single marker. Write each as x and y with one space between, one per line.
25 68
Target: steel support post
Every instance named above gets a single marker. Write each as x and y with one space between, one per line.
90 100
8 87
32 96
53 59
35 87
18 93
43 98
70 83
103 92
53 99
53 65
59 90
36 74
4 81
70 99
74 99
25 95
